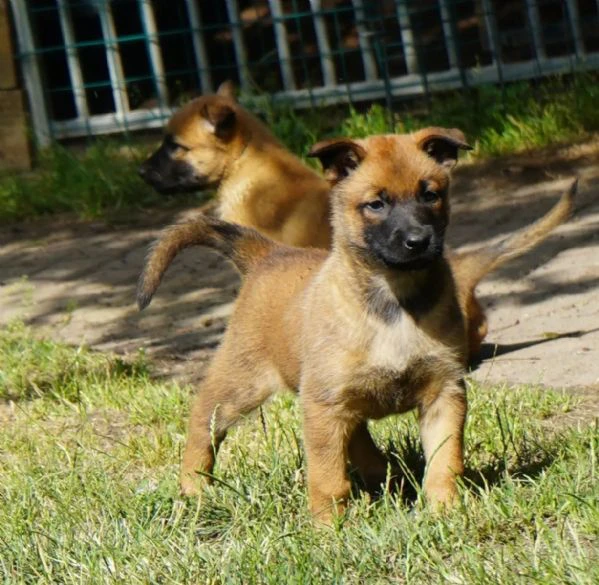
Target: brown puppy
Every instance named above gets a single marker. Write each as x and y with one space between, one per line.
213 142
372 329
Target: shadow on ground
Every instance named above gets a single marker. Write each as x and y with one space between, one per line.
76 281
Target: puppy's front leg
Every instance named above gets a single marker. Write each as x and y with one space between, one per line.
442 421
326 437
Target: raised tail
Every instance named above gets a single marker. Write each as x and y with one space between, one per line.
244 246
472 266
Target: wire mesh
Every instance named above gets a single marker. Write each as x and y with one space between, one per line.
98 66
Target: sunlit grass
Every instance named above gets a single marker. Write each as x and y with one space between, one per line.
89 488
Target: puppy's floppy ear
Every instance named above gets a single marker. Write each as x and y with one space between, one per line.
221 117
338 157
227 89
442 144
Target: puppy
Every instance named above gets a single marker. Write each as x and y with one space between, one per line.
213 142
372 329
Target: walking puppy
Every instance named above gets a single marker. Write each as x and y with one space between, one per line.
372 329
215 142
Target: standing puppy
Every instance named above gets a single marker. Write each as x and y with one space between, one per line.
372 329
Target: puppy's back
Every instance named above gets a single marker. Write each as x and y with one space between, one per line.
267 318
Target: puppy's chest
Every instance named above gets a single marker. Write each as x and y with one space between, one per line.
399 364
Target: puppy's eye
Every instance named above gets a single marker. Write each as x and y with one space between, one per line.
174 146
376 205
429 196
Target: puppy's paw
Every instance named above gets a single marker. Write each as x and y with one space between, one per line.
327 512
191 484
441 496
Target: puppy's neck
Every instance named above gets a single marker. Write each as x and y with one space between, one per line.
236 158
254 180
386 292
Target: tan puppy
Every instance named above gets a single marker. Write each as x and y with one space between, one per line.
213 142
370 330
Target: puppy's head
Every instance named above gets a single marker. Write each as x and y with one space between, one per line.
201 141
390 195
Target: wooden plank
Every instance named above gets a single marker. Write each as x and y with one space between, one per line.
14 146
8 79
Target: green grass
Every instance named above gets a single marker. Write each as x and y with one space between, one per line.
498 122
103 177
89 489
103 180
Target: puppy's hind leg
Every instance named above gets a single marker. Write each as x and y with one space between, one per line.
225 395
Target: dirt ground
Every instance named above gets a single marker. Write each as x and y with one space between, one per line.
75 281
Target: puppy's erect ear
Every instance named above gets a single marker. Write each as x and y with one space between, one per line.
221 117
227 89
338 157
442 144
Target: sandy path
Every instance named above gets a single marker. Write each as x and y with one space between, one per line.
76 281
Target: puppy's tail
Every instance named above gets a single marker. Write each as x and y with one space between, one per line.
473 266
244 246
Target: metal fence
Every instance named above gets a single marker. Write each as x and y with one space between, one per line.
103 66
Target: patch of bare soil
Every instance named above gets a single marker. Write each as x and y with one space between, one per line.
76 281
584 412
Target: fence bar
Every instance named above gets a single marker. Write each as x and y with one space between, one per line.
492 36
276 11
407 38
113 57
240 52
140 119
364 38
199 48
536 28
153 44
31 73
446 21
73 64
324 48
574 21
414 85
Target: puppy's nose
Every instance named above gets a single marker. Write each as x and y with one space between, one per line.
417 242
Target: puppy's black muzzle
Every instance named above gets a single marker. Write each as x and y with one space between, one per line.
156 171
149 175
169 176
417 242
410 238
